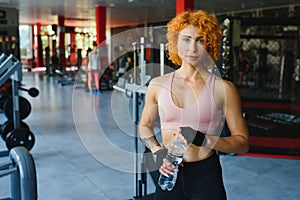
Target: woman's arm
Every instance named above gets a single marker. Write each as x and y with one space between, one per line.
238 142
89 64
149 114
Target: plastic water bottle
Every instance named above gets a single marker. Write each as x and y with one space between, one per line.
175 155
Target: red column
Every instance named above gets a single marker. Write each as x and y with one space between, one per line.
38 46
61 45
101 24
73 48
182 5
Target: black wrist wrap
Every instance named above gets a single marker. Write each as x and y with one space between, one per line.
160 155
193 136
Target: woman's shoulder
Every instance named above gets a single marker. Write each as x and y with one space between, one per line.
160 80
223 90
224 87
219 81
156 84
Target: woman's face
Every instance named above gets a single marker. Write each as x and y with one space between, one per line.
191 47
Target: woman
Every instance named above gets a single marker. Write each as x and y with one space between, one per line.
94 69
193 102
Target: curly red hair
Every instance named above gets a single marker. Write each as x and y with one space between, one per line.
208 27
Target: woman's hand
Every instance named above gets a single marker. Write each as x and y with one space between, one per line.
167 167
180 137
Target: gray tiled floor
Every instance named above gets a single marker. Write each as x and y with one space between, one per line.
84 151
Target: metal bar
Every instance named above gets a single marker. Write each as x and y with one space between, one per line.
271 37
134 63
135 117
9 72
15 185
119 88
269 21
2 57
27 174
4 153
8 172
281 77
5 165
6 64
142 57
15 104
144 176
142 62
162 59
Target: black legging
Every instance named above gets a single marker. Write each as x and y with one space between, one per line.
200 180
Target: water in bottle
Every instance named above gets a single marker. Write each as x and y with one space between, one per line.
175 154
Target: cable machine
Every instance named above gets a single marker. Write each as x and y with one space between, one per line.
136 89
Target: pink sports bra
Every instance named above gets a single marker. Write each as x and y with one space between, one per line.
203 115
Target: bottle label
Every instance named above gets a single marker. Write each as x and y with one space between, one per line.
175 159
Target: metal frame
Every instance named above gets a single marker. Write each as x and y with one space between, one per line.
22 171
11 67
136 91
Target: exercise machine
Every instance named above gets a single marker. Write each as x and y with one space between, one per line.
135 88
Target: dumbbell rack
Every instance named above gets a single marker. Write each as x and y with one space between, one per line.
11 68
21 169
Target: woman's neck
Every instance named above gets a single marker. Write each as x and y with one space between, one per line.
192 73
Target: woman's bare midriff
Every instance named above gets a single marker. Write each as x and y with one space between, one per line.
193 153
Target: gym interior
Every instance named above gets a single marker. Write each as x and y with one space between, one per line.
61 142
